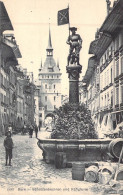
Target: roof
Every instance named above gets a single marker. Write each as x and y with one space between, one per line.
5 22
110 27
49 47
10 45
50 66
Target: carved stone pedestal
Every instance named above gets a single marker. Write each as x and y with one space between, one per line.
73 75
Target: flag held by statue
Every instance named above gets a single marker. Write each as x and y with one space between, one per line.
63 16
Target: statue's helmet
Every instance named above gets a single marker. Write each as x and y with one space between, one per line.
73 29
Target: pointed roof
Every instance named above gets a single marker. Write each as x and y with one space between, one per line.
49 47
5 22
50 65
41 63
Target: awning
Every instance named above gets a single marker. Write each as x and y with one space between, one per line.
90 69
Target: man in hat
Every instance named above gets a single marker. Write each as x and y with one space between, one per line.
8 144
75 42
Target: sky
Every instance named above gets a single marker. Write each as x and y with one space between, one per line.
31 18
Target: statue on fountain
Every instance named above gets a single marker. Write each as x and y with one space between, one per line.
75 42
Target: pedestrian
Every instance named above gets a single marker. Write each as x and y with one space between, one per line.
23 130
30 131
36 130
8 144
10 128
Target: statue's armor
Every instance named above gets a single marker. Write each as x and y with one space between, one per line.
74 40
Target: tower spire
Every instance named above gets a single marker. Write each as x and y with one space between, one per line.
40 66
41 63
49 41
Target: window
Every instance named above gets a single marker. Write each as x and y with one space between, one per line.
1 79
111 98
105 99
117 68
102 101
108 53
108 99
121 38
54 86
105 58
1 97
107 77
40 115
45 86
54 106
101 82
117 95
122 64
111 75
122 94
54 98
50 86
45 107
116 43
102 61
4 99
45 98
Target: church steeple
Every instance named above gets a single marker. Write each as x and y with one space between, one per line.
49 47
41 66
50 65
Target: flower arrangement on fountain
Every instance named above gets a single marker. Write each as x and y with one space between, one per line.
73 121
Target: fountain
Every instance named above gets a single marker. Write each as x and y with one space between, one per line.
78 147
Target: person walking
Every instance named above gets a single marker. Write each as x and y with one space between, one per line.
36 131
23 130
30 131
8 144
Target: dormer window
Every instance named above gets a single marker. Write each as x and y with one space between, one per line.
50 69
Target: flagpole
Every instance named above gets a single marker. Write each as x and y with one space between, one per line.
69 20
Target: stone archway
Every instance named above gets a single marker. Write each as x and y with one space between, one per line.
49 121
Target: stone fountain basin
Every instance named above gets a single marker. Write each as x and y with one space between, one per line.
75 150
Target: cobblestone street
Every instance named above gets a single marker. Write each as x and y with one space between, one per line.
31 174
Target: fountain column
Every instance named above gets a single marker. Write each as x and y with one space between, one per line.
73 75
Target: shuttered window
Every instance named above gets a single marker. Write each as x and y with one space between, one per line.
117 95
117 68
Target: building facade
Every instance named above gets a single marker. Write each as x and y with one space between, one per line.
103 80
16 90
